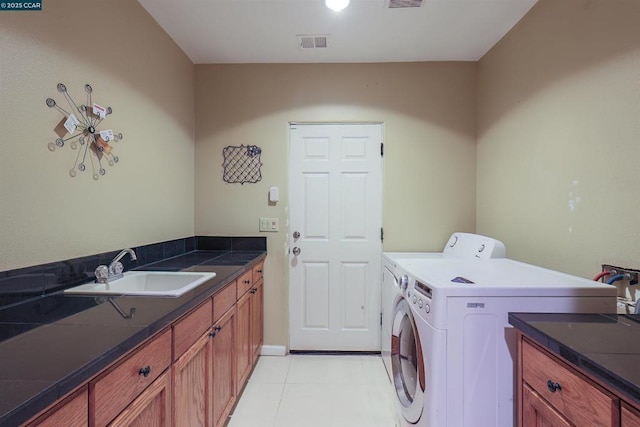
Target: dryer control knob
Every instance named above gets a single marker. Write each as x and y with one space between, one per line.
419 303
427 308
403 282
415 299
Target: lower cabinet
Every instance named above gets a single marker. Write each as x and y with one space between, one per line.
250 321
71 412
630 417
257 319
224 370
243 339
192 386
539 413
114 391
189 374
151 408
553 392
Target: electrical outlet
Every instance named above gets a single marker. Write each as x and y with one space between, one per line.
269 224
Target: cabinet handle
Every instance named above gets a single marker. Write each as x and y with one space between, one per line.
218 328
252 291
259 271
247 281
212 334
145 371
553 386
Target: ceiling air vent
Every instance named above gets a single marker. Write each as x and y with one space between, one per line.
312 42
399 4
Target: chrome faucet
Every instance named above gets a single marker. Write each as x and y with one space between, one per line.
114 271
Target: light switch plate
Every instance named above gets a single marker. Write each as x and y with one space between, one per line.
269 224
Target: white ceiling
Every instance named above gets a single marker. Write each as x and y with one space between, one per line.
264 31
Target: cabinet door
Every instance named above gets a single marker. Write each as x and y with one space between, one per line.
243 337
151 408
257 319
191 385
630 416
224 368
72 412
537 412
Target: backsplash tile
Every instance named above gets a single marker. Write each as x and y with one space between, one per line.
207 243
173 248
249 244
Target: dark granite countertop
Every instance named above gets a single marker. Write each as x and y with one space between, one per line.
607 346
75 337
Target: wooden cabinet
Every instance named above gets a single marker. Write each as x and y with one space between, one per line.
71 412
579 400
630 417
151 408
192 386
190 327
257 319
191 370
249 321
552 392
114 390
537 412
223 372
243 339
245 282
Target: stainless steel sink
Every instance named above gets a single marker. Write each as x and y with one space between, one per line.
146 283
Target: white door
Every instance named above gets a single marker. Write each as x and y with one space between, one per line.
335 173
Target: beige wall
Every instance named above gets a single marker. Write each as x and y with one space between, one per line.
428 111
559 136
134 67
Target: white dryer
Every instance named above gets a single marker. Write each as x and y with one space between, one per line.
459 245
453 326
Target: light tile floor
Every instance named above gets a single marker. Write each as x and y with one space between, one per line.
317 391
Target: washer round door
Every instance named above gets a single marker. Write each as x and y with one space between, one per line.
407 362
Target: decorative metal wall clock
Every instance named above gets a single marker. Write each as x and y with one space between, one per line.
80 129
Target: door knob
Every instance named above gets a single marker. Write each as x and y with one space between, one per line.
296 234
296 251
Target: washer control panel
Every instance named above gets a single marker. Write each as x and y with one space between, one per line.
421 296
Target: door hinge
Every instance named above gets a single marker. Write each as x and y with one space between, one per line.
382 149
381 234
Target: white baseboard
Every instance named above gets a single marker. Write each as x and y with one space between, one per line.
273 350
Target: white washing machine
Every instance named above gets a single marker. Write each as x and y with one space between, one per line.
453 319
459 245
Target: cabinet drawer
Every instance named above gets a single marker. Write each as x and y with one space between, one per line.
224 300
189 328
258 271
574 396
245 282
111 392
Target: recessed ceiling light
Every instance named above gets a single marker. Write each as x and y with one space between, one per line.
336 5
